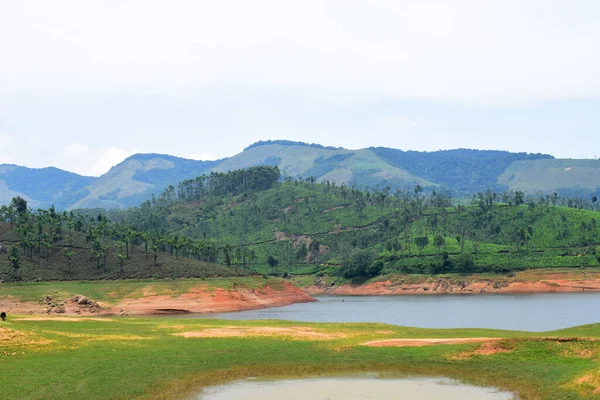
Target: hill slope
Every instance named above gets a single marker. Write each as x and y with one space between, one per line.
461 172
296 160
305 227
563 176
137 178
42 187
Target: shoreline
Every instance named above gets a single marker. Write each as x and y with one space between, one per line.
527 282
156 300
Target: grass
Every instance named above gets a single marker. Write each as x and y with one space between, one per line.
122 358
113 291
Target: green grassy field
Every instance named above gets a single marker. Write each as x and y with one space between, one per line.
122 358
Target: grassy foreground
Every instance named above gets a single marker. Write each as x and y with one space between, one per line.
122 358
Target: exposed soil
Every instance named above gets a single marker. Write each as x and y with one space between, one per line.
199 299
204 299
558 284
289 332
426 342
77 305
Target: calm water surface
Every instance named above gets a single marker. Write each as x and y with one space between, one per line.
352 388
530 312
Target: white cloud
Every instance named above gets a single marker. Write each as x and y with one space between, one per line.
7 149
109 158
82 159
469 50
203 156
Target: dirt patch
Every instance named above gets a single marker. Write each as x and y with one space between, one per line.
199 299
302 333
449 286
587 384
486 349
90 337
205 299
425 342
11 338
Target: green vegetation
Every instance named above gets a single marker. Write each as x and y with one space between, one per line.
252 222
124 358
462 170
46 245
302 227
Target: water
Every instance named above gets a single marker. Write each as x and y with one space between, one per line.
529 312
352 388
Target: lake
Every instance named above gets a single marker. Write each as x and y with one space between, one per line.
352 388
527 312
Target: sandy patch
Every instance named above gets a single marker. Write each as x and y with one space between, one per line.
425 342
11 337
64 319
89 337
291 332
486 349
587 384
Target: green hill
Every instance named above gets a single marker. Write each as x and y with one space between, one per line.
137 178
306 227
42 187
252 221
460 172
562 175
358 167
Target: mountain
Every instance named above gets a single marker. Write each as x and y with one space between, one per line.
137 178
461 172
551 175
126 184
42 187
295 159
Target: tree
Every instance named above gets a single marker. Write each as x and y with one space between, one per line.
519 198
421 242
314 249
15 259
20 204
121 257
439 241
69 256
272 261
362 265
302 252
465 263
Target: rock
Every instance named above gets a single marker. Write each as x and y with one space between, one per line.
82 300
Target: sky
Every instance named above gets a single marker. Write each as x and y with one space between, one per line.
85 84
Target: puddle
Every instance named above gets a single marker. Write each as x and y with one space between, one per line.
352 388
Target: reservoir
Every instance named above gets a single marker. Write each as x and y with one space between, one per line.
352 388
526 312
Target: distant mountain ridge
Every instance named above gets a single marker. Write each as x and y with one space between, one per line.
460 171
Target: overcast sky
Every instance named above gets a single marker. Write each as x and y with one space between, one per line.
84 84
